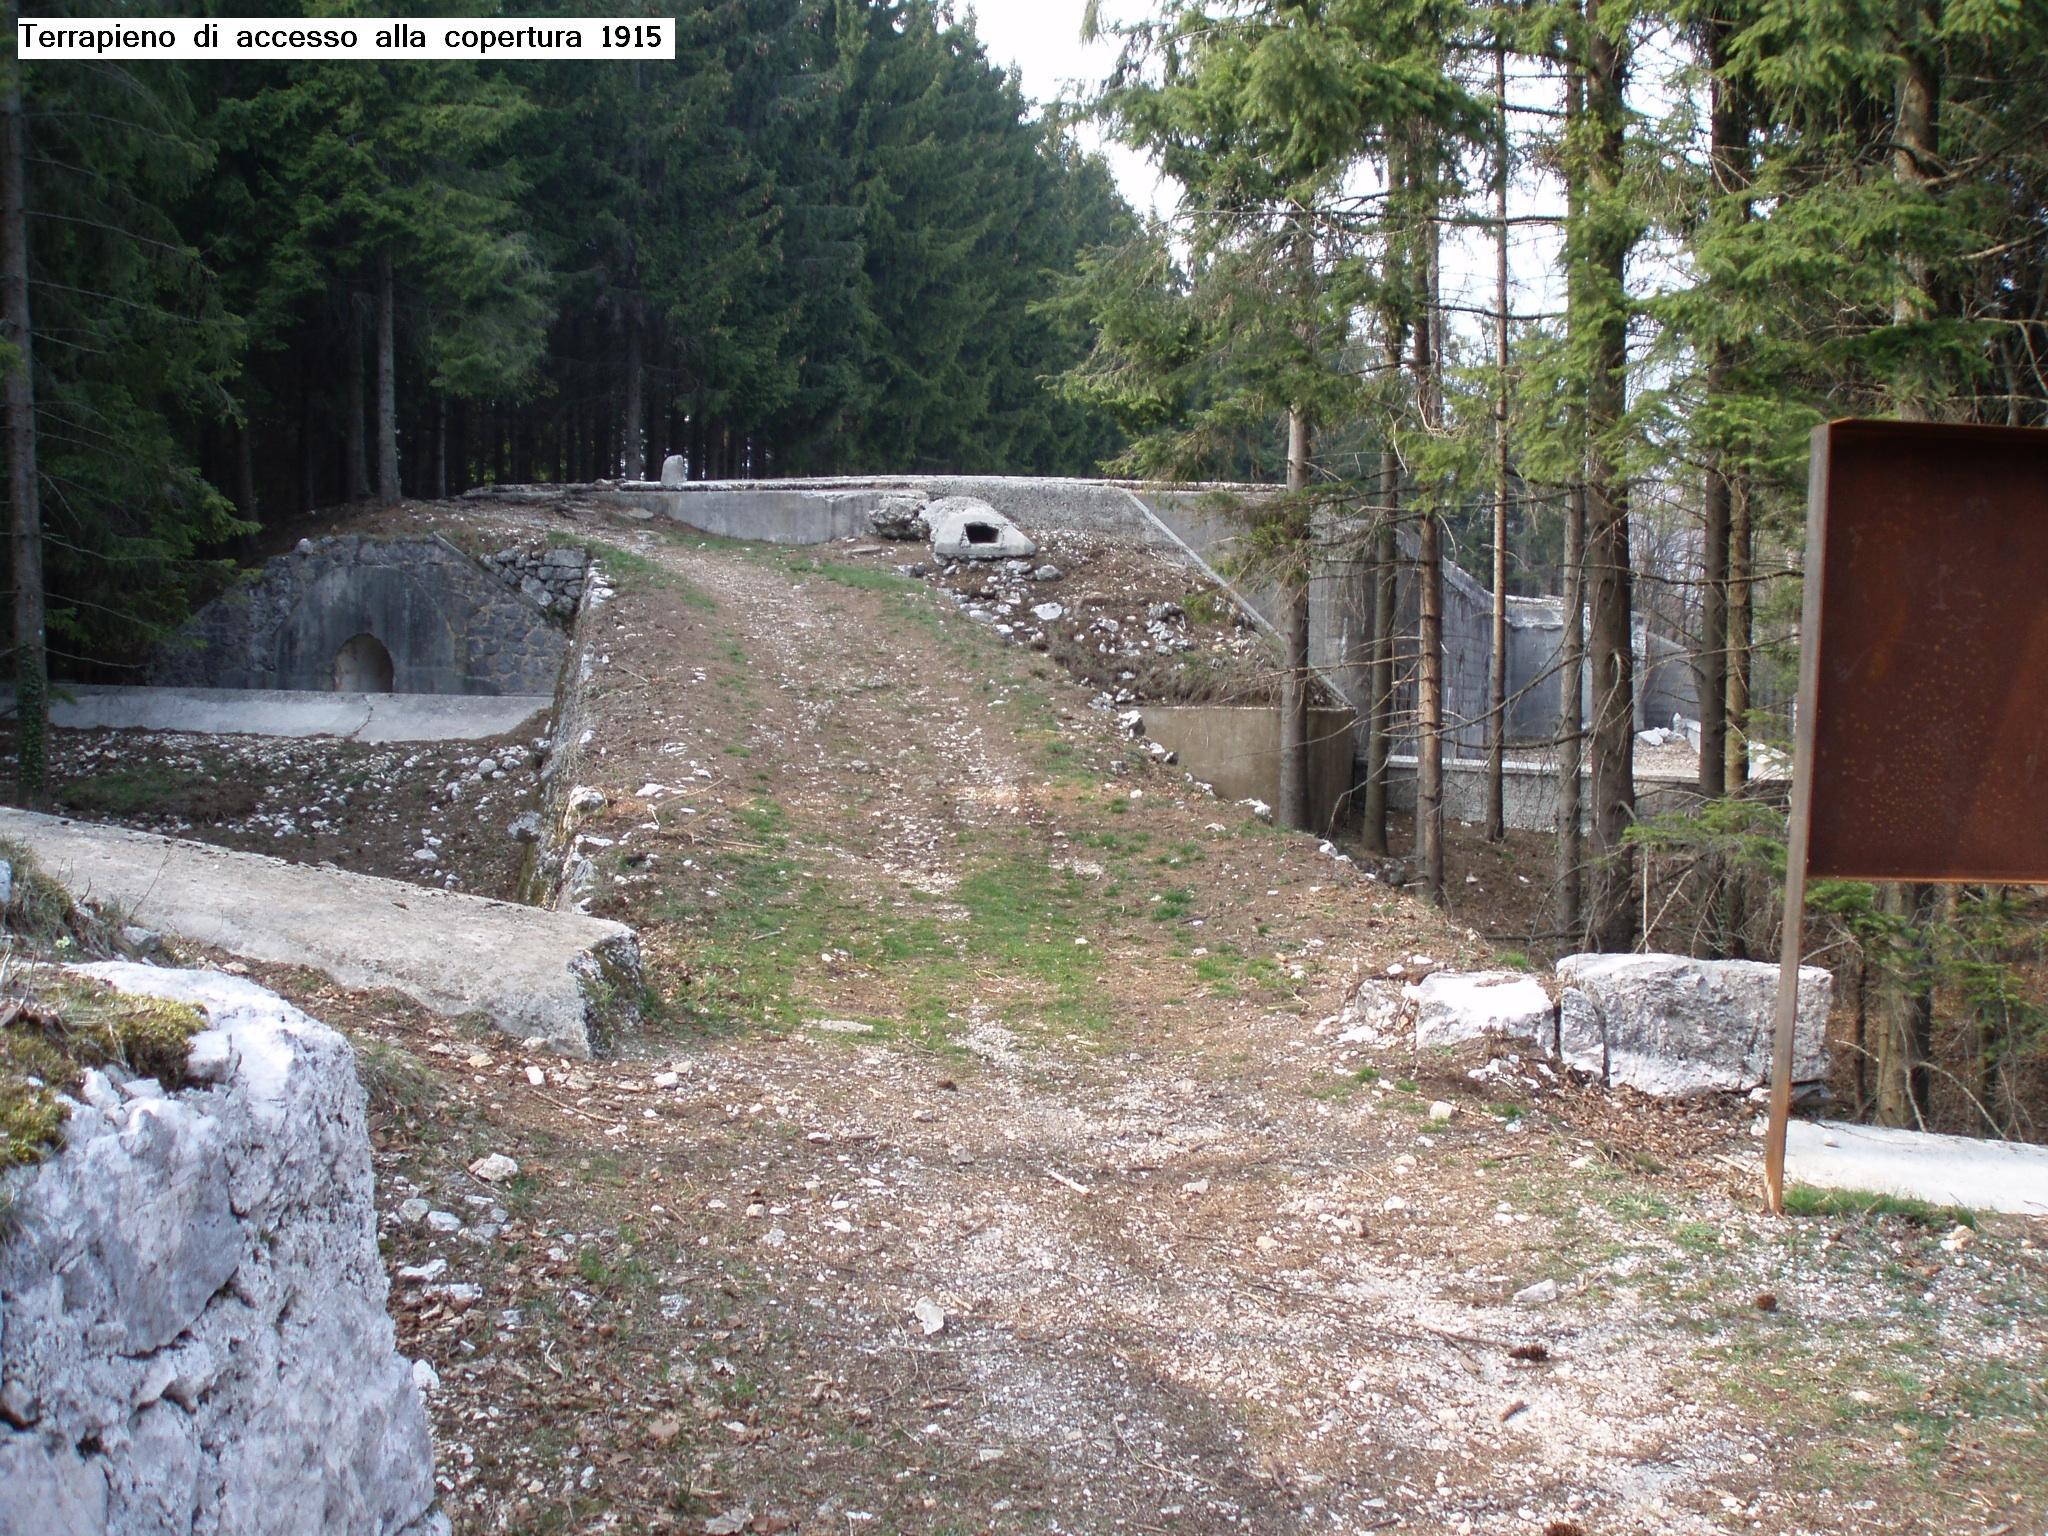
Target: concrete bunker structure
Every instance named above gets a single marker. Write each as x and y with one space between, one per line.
363 665
383 615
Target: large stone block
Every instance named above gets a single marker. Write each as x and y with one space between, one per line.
1452 1007
193 1301
1675 1026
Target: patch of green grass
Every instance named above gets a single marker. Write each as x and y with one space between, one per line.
394 1080
1339 1088
753 952
864 578
1228 972
1514 960
630 571
64 1025
1805 1200
128 791
1173 906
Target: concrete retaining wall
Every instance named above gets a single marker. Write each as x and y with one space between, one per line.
193 1302
1237 750
1528 793
447 623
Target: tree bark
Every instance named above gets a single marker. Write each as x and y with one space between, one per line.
1710 669
1571 728
1904 1012
1727 153
1294 674
355 431
1741 629
441 447
245 473
388 490
1497 691
1379 738
633 415
1905 1002
1612 908
1429 690
31 647
308 471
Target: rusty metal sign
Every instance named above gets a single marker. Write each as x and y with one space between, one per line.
1922 735
1929 706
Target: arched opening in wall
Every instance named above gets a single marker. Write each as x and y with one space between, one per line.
363 665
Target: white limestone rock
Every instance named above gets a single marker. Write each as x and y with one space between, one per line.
191 1291
1452 1007
1676 1027
900 517
968 528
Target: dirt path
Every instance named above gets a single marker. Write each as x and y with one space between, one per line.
1003 1161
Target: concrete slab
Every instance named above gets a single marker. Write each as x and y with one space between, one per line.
366 717
2005 1176
569 979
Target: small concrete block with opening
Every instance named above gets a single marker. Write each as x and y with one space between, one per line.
968 528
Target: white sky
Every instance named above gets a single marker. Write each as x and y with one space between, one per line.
1042 38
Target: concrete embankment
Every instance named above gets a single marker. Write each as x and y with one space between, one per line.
568 979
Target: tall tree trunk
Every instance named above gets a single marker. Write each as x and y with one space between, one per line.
308 470
1904 1011
1497 678
633 423
355 432
1571 684
440 447
388 490
1379 737
1571 727
1711 668
1429 691
1905 1003
1728 139
1741 630
245 473
31 649
1294 675
1612 908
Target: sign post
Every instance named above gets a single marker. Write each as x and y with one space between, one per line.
1921 741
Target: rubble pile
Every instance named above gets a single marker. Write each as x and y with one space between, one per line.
432 813
1116 618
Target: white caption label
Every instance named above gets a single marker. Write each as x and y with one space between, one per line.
349 37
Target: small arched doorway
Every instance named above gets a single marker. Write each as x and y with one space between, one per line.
363 665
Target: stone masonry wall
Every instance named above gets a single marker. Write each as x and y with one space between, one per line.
193 1339
450 623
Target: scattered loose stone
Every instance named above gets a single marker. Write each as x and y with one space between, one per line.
930 1316
1542 1293
494 1169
